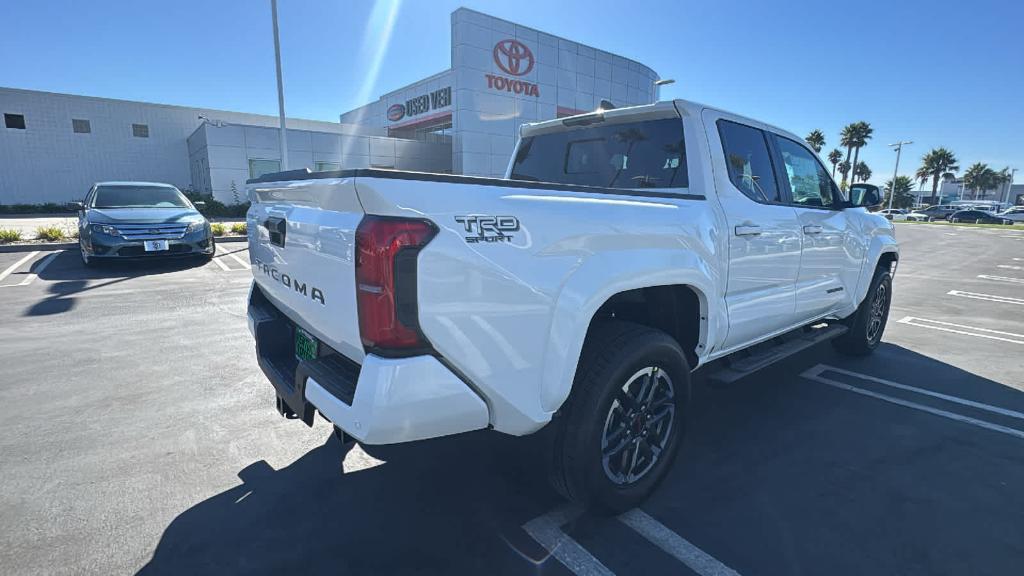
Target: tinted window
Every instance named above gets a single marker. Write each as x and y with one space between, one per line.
809 183
647 154
746 157
16 121
128 196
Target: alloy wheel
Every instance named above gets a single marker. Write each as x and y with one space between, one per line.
639 425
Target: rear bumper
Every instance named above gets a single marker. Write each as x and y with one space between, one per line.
382 401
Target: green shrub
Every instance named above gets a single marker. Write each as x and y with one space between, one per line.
8 235
48 208
218 229
217 209
50 233
239 228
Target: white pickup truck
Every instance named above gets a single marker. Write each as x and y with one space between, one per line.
624 249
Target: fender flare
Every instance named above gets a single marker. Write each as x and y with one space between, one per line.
611 273
879 245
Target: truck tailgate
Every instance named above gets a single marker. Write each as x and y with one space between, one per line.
302 242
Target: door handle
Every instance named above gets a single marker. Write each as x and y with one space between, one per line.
748 230
812 229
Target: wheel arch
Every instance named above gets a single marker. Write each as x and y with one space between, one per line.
633 287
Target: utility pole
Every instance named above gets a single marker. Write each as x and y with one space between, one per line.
899 149
1009 186
280 89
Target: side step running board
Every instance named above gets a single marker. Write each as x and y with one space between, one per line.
746 362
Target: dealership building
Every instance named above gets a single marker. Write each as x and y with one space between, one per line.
463 120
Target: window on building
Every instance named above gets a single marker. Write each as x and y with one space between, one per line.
748 161
327 166
80 126
258 168
16 121
140 130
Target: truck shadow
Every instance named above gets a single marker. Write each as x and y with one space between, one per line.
778 475
434 507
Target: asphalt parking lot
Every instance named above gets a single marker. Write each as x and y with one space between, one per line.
137 434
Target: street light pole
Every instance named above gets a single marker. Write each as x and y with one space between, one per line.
280 89
1009 186
899 150
658 84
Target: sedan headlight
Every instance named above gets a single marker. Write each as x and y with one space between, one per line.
198 226
106 229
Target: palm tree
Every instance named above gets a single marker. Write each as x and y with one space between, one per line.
999 180
834 157
816 139
844 169
979 177
904 197
861 172
935 164
847 139
862 132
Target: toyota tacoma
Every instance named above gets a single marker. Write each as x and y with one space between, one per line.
624 249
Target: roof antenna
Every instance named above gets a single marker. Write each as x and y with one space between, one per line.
605 105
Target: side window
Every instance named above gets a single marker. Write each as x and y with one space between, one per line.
748 161
809 183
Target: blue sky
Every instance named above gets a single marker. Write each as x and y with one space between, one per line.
935 72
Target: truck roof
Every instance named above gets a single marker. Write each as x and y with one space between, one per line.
654 110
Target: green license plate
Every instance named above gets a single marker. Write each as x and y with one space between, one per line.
305 345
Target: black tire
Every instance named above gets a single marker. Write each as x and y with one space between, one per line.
867 324
602 405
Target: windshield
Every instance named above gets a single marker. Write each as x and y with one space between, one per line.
128 196
649 154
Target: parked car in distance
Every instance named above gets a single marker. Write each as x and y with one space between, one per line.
940 212
978 217
894 214
140 220
1015 213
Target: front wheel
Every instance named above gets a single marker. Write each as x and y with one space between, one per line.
87 261
867 324
617 435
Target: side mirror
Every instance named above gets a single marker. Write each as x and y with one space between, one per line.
864 195
200 205
75 206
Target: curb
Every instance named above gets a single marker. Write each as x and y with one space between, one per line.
7 248
49 247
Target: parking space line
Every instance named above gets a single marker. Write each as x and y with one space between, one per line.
815 375
1009 267
240 261
989 297
1001 278
965 330
15 266
547 531
678 547
222 265
42 266
817 370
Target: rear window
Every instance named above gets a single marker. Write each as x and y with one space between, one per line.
649 154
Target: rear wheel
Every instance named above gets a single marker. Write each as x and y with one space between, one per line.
617 435
867 324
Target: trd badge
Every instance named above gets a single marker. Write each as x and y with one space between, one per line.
488 228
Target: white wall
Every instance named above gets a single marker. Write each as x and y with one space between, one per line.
224 153
47 162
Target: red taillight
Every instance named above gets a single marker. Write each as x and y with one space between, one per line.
386 250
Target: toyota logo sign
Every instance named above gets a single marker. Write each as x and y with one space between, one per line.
396 112
513 57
